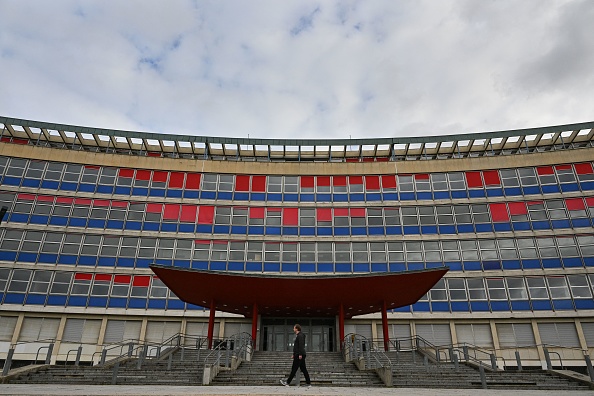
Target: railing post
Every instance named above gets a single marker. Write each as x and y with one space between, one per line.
169 362
483 378
356 346
589 366
518 360
455 359
451 353
425 362
114 374
130 348
493 361
48 357
103 356
547 358
465 352
437 355
8 362
78 355
142 356
227 352
158 352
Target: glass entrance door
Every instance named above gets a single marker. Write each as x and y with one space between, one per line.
277 334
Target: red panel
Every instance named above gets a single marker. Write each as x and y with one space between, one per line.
205 214
119 204
153 154
498 212
141 281
100 203
202 241
125 172
590 202
160 176
545 170
491 178
26 197
193 181
563 167
123 279
352 160
103 277
256 213
177 180
258 183
143 174
534 203
382 159
45 198
82 201
372 183
584 169
357 212
274 209
339 181
341 212
323 180
290 216
64 200
171 212
188 213
422 176
307 181
154 208
83 276
355 179
575 204
389 181
324 214
92 167
517 208
473 179
242 183
368 159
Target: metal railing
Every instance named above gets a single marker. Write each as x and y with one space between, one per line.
13 349
356 346
237 346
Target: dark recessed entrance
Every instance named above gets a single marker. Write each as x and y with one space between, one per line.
277 334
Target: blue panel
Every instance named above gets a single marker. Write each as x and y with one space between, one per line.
208 194
494 192
115 302
35 299
239 230
589 261
274 197
76 222
520 305
379 267
460 306
38 219
184 227
541 225
491 265
19 217
472 266
235 266
454 265
58 220
291 197
356 197
572 262
155 192
121 190
137 303
406 308
415 266
513 191
479 306
171 227
325 267
459 194
67 259
375 197
258 197
499 227
531 190
397 267
289 267
224 229
195 307
31 183
12 181
463 228
196 264
500 305
483 228
174 193
290 230
433 264
552 263
115 224
569 187
271 267
392 230
142 191
534 263
52 185
143 263
521 225
390 196
476 193
106 262
324 230
77 301
376 230
411 230
424 195
575 222
166 262
340 197
342 231
587 185
307 231
87 260
306 197
188 194
562 304
360 267
104 189
84 187
181 263
440 306
307 267
584 304
218 265
343 267
541 305
241 196
207 228
27 257
227 195
561 224
157 303
48 258
441 195
96 223
323 198
427 230
447 229
98 302
127 262
421 307
407 196
14 298
175 304
549 188
358 231
255 230
56 300
68 186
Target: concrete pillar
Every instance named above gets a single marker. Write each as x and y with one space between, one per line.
580 333
211 319
538 341
142 335
17 328
58 342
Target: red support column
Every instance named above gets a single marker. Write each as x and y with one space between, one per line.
211 320
254 324
385 327
341 325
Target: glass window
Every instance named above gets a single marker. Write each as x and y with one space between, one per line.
480 213
99 213
158 289
392 216
72 243
325 252
61 283
414 251
586 245
289 253
108 176
527 248
219 251
32 241
237 251
537 211
409 215
462 214
183 249
272 252
110 246
378 252
469 250
496 289
556 210
579 286
507 249
128 248
100 288
90 174
438 292
19 281
517 288
405 183
307 252
360 252
537 288
16 167
445 215
546 247
565 175
226 182
291 184
509 178
201 250
209 182
274 217
223 215
307 217
450 251
426 215
81 284
567 247
527 176
374 217
11 240
343 252
72 173
558 287
254 252
120 288
488 249
91 245
457 289
62 209
52 243
395 251
4 274
240 216
439 181
476 289
432 251
35 170
457 181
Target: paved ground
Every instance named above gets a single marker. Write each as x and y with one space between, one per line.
116 390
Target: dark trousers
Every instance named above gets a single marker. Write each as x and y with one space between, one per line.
298 364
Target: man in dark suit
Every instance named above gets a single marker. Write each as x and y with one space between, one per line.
298 358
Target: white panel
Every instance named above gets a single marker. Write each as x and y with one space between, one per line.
91 331
49 329
559 334
588 328
401 331
436 334
31 329
474 334
7 325
515 334
114 331
364 330
161 331
73 330
196 329
132 329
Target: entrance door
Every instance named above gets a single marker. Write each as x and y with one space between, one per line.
319 339
277 334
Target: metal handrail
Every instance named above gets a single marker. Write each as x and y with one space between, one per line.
373 356
214 356
48 340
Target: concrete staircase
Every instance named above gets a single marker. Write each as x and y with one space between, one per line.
325 369
412 373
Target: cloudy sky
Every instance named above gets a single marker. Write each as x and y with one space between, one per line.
295 68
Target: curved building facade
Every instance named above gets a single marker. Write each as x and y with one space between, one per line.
89 210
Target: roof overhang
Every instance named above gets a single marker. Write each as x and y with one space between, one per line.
298 295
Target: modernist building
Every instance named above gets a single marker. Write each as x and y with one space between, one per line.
89 210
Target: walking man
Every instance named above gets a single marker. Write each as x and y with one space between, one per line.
298 358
